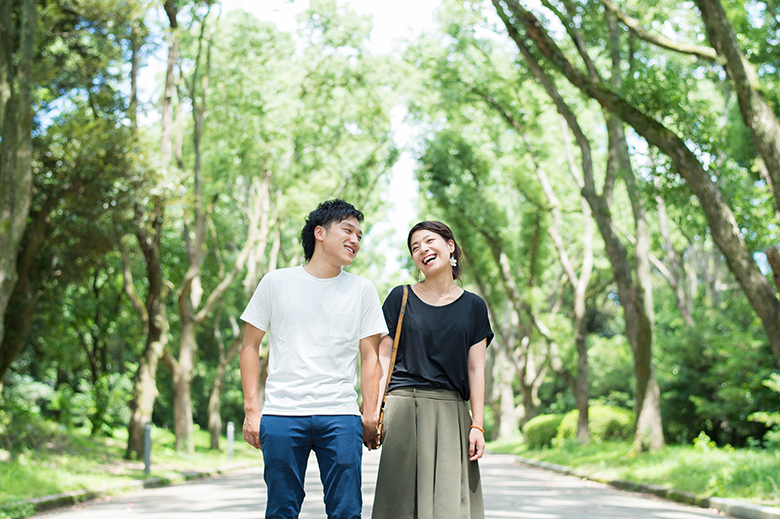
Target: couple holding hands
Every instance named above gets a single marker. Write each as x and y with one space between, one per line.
318 319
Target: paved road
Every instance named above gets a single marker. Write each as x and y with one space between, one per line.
511 491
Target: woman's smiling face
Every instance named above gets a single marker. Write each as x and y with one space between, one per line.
431 252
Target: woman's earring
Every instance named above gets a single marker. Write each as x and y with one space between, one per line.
453 262
419 276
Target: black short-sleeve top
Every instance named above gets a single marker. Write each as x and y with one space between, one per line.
435 340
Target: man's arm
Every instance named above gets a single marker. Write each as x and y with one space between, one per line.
369 387
385 356
476 366
249 359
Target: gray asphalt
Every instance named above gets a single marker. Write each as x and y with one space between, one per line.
511 491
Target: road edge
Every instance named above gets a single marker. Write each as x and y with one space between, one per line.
46 503
732 507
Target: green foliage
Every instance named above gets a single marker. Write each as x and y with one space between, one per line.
74 460
611 370
770 419
16 511
606 423
21 426
704 443
541 430
711 374
744 474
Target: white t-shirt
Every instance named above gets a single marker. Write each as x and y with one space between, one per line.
314 328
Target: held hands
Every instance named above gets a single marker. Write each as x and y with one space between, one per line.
371 433
251 427
476 443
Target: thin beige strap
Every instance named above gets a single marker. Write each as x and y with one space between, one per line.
392 358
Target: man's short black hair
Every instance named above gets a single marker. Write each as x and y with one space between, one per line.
326 213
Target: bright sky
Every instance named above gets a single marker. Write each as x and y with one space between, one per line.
393 20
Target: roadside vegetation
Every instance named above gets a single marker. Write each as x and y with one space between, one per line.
750 475
72 460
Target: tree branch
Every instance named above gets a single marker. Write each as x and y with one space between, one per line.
706 53
129 289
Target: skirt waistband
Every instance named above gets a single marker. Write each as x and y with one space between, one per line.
425 392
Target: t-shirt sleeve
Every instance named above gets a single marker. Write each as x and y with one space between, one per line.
392 308
482 328
372 321
258 311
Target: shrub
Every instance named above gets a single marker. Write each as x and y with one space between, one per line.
540 431
605 423
771 420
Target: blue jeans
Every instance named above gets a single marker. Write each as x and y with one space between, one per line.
337 442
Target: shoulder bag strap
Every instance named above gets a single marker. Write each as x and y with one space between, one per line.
392 359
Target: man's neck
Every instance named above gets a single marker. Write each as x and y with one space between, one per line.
322 269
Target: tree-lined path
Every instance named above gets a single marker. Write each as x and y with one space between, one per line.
511 491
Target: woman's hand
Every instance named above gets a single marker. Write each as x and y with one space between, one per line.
476 444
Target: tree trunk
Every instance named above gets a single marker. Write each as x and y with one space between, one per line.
153 311
155 322
170 80
509 423
215 396
17 51
259 199
650 434
182 389
215 406
190 291
23 299
578 383
530 377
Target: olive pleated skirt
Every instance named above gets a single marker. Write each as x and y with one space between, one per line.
424 469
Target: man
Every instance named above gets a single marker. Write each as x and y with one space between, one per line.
318 318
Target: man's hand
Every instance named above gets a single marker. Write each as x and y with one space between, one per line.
369 385
252 427
370 433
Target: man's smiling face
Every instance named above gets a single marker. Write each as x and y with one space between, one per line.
341 240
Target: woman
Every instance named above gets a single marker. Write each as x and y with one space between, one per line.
430 444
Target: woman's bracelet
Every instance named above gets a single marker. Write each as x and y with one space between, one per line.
478 427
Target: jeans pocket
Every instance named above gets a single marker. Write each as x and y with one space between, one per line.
260 430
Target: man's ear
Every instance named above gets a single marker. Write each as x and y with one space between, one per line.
319 233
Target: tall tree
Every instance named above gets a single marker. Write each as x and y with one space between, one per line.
635 293
18 24
77 90
721 219
149 217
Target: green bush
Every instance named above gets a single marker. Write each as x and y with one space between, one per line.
540 431
21 424
605 423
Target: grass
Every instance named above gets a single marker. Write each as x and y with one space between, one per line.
75 461
749 475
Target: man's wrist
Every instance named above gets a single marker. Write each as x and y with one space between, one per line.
249 408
